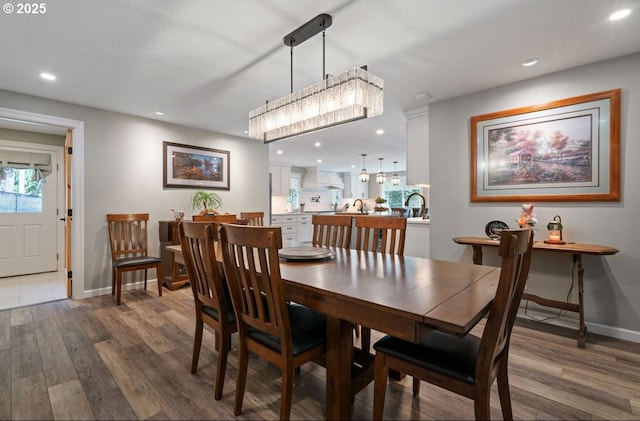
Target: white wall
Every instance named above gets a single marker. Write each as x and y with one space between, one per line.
123 173
612 287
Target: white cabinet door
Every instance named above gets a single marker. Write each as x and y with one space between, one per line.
416 241
305 228
280 180
276 180
359 190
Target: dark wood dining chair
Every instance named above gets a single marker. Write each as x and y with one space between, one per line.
469 365
331 230
255 219
129 241
210 295
285 334
385 234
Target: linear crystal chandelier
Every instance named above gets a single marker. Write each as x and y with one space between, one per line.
352 95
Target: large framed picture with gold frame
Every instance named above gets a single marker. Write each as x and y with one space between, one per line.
195 167
565 150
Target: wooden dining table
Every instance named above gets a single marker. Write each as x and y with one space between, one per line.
406 297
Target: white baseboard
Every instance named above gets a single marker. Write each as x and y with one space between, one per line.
151 284
572 323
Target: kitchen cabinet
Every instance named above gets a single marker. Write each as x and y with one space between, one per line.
359 190
305 228
280 180
416 241
289 226
295 228
417 121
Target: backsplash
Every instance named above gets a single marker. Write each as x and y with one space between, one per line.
314 200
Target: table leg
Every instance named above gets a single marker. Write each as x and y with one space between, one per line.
339 346
582 332
477 254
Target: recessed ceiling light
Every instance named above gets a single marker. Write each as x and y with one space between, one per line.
530 62
379 131
279 152
319 161
620 14
317 144
159 112
48 76
246 132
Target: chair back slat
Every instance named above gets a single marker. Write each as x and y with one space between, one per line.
252 270
331 230
385 234
255 219
515 251
128 234
198 249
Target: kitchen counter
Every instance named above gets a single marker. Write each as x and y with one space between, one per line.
417 220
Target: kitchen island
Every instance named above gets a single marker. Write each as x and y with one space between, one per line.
297 228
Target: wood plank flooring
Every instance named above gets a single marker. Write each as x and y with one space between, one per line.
91 359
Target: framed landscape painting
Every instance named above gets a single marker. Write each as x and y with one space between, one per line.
195 167
566 150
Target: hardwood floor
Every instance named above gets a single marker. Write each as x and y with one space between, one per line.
91 359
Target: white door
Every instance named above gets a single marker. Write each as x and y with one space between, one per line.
28 223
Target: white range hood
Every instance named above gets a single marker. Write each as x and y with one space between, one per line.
317 179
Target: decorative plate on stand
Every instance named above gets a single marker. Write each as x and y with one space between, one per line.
494 228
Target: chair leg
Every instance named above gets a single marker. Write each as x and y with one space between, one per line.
380 385
241 381
416 386
287 392
197 343
159 276
145 279
481 402
113 281
503 391
365 340
118 286
225 344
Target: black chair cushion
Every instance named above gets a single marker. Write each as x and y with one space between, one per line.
440 352
308 330
213 312
137 260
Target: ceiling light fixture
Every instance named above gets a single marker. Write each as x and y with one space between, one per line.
364 175
159 112
395 179
380 177
620 14
48 76
353 95
379 131
530 62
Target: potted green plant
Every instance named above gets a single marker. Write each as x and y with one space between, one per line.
207 202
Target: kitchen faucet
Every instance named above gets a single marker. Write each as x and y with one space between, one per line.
361 204
424 204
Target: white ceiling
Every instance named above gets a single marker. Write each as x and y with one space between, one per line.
207 63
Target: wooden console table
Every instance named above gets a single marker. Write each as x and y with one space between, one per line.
174 275
575 249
